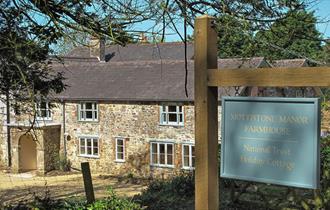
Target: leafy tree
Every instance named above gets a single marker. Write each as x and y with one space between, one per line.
326 52
235 37
47 22
115 18
24 68
295 36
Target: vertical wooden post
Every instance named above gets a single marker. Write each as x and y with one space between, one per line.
206 116
88 182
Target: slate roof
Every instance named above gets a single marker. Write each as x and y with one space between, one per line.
143 80
289 63
143 72
139 52
126 81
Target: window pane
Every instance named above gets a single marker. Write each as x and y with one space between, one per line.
154 148
120 142
82 150
154 158
95 151
43 113
172 117
170 159
164 108
82 142
163 118
89 105
120 156
193 151
162 159
43 105
95 115
120 149
180 108
171 108
185 150
180 118
193 156
162 148
89 115
89 151
49 113
95 142
81 115
186 161
89 142
169 149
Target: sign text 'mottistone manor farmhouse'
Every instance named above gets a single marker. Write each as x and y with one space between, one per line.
124 111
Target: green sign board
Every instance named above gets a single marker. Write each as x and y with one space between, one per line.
271 140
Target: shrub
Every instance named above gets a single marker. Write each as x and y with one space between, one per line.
176 193
112 202
63 164
321 198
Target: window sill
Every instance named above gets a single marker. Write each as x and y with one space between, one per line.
120 161
44 119
188 168
89 156
88 121
162 166
173 125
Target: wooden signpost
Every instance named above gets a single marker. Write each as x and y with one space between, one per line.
207 80
271 140
88 183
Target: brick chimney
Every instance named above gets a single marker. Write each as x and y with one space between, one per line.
97 48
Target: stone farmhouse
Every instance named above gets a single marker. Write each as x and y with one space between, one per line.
124 111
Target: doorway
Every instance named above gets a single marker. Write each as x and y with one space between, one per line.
27 153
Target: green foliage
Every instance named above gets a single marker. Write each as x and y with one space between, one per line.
63 164
112 202
295 36
325 153
175 193
235 37
326 52
24 66
320 198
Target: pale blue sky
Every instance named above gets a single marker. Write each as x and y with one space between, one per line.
322 12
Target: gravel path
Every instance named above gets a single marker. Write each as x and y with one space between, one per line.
23 186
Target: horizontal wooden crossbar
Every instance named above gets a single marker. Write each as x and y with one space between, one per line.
271 77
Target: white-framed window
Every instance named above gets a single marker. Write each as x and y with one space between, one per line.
88 111
120 149
171 115
43 111
89 146
162 154
188 156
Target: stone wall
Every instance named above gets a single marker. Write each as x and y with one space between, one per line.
51 140
47 140
138 124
